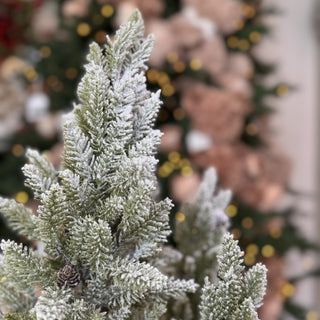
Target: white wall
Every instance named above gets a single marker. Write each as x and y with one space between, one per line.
294 47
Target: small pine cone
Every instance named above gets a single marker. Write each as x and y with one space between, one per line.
69 276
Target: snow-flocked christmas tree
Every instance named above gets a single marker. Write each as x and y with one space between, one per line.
98 220
208 254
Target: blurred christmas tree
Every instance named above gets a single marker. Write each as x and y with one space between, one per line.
216 104
16 128
15 20
214 113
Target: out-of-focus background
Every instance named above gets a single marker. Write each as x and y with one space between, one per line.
239 81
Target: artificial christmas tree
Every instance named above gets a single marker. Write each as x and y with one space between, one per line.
98 221
206 253
211 43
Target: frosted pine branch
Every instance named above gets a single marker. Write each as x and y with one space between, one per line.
233 295
10 297
246 311
255 284
199 232
60 305
204 224
24 268
40 174
20 218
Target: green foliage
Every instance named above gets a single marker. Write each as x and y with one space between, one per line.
233 296
205 222
19 316
40 168
19 217
205 252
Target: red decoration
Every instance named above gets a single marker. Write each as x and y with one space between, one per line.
14 19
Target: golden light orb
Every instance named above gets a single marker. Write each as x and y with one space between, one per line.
22 197
83 29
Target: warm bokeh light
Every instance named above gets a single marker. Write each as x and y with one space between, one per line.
83 29
172 57
174 156
195 64
232 210
247 223
252 248
107 11
180 216
179 66
267 251
17 150
22 197
45 51
288 290
71 73
312 315
168 90
152 75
